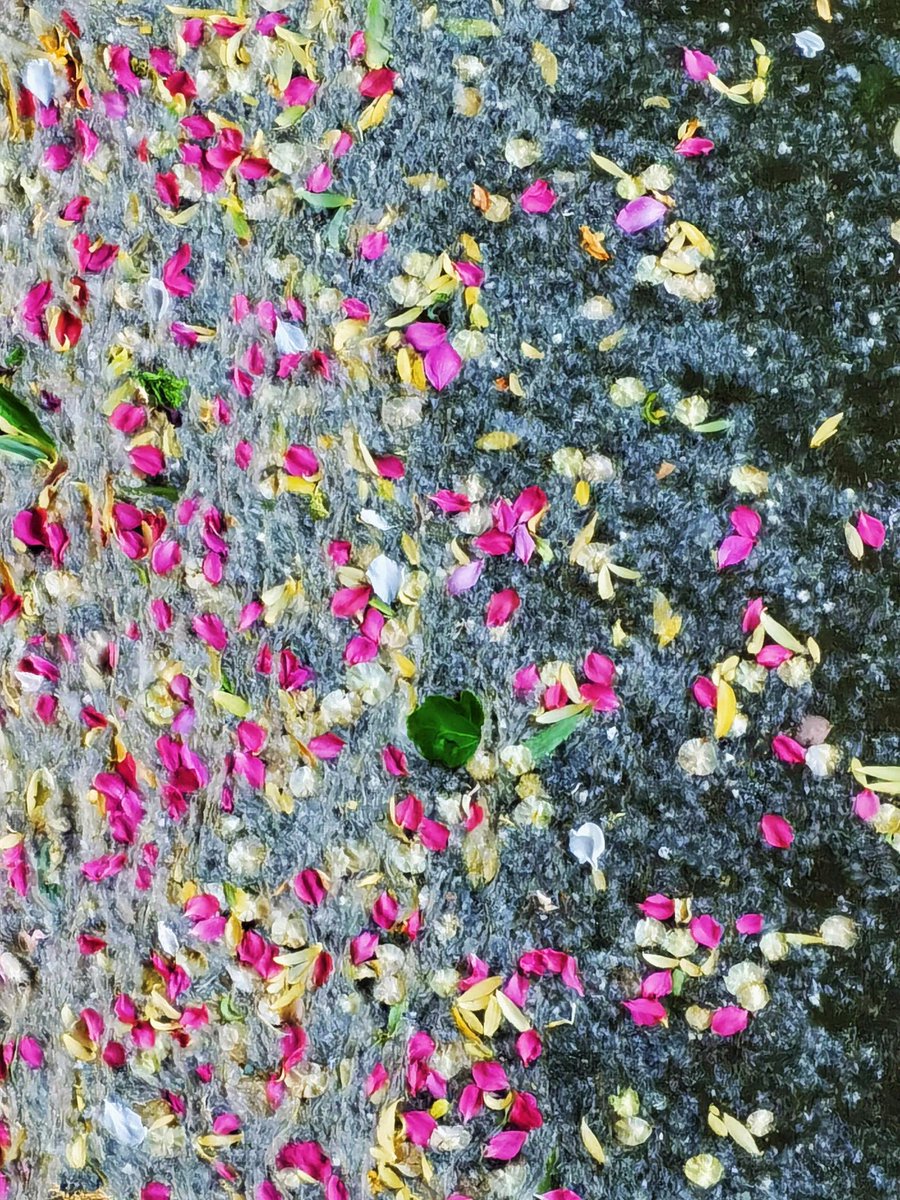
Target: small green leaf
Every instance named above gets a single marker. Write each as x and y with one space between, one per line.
324 200
378 42
471 28
17 419
164 390
712 427
554 735
445 730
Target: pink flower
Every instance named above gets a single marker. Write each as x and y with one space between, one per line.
870 530
866 805
645 1011
538 198
728 1021
692 147
660 907
173 276
501 607
559 1194
749 923
788 750
640 214
698 66
706 932
776 831
373 245
506 1145
442 365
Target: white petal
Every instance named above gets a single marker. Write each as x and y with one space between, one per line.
290 339
123 1123
38 77
385 576
587 844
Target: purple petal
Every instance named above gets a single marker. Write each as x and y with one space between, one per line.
465 577
640 214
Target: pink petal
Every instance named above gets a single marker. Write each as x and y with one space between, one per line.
871 530
645 1011
788 750
505 1146
373 245
704 692
706 932
728 1021
418 1126
866 805
640 213
425 335
529 1047
656 984
692 147
300 460
698 66
490 1077
661 908
442 365
538 198
752 614
501 607
776 831
733 550
745 521
749 923
773 656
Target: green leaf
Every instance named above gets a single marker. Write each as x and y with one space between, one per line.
15 418
472 28
445 730
378 42
19 449
554 735
163 389
335 230
322 200
712 427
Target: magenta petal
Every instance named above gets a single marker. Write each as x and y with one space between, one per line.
640 213
777 831
645 1011
505 1146
745 521
728 1021
538 198
698 66
870 530
425 335
501 607
733 550
442 365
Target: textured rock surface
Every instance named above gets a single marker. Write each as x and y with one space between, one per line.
797 199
